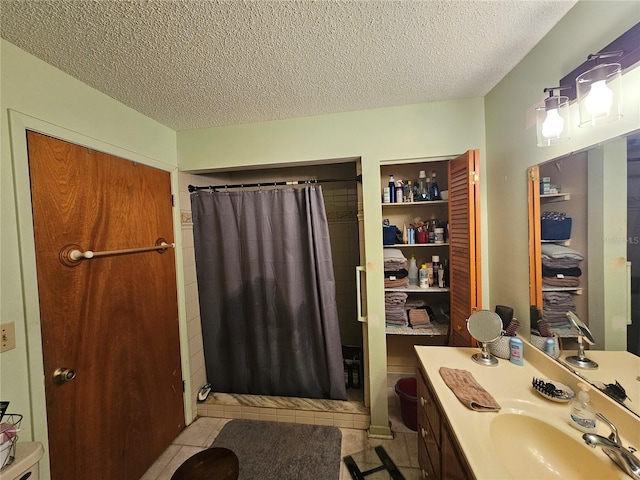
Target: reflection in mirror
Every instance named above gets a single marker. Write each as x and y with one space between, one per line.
580 360
586 257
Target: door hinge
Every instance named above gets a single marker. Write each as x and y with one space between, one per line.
184 383
473 178
173 201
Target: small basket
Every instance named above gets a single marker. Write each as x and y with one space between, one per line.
500 347
539 342
9 429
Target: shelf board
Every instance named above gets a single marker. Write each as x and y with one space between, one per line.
413 204
556 197
433 330
418 290
404 245
574 290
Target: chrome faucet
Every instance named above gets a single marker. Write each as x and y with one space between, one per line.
612 446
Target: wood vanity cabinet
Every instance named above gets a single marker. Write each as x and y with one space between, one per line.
439 455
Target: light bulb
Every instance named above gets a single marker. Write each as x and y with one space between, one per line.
599 99
553 125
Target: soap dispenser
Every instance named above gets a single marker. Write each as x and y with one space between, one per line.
582 415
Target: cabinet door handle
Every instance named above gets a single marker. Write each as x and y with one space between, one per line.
424 433
422 401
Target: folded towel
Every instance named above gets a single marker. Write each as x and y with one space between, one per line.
400 282
553 250
468 391
561 282
418 316
394 254
567 272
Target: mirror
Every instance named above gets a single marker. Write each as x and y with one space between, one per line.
589 203
486 327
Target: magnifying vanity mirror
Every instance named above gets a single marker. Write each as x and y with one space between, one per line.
485 326
584 241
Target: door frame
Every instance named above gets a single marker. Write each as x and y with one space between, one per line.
19 124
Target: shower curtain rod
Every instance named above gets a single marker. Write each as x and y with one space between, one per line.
214 188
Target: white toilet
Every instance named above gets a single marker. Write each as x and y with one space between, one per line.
25 466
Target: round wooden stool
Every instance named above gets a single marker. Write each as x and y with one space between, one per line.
212 463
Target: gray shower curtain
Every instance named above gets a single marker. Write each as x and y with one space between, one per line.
267 293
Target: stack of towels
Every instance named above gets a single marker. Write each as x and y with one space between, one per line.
395 275
560 268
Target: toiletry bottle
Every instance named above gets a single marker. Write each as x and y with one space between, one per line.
435 262
516 349
413 272
582 415
399 192
386 195
422 186
392 189
408 192
424 279
435 190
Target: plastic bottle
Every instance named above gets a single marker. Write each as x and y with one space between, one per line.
582 415
435 190
435 263
399 192
392 189
413 272
516 348
422 186
424 278
408 191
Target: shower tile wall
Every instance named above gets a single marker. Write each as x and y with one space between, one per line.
197 371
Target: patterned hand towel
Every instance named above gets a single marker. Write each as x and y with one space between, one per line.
468 391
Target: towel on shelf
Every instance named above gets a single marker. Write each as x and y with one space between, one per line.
561 282
399 282
552 250
400 273
394 260
567 272
394 309
419 318
560 262
468 390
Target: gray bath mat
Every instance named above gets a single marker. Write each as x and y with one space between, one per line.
283 451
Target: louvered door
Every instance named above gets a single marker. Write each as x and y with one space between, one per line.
464 231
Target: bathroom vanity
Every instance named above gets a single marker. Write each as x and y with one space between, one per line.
529 437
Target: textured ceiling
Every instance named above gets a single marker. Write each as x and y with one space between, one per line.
191 64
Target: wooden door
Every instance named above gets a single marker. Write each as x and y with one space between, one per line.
464 244
112 319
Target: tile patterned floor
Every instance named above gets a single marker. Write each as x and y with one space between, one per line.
403 449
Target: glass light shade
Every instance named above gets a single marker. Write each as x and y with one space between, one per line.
553 121
599 94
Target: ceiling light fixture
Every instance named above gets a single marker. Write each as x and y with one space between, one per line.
598 91
552 119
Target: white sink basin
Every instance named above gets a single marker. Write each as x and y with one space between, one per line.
531 448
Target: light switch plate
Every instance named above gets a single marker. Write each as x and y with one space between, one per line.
8 337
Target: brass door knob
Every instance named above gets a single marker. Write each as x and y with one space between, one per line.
63 374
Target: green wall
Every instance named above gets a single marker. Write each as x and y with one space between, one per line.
511 134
